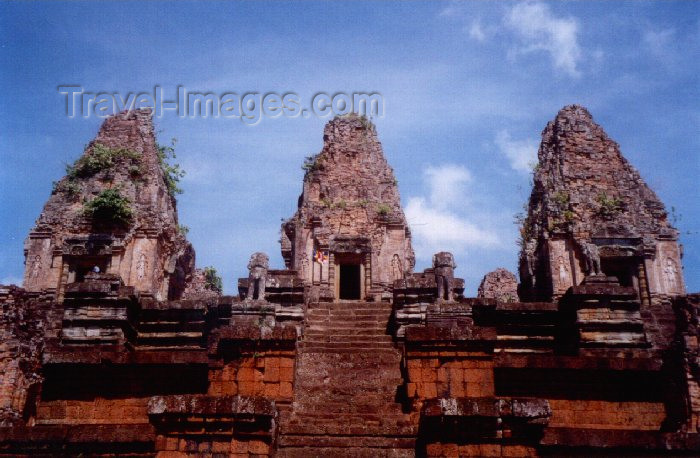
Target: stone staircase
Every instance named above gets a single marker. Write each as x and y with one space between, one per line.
347 376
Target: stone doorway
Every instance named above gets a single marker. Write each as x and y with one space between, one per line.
78 267
625 269
349 286
349 278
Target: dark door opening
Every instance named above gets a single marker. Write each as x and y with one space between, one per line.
625 269
79 267
256 289
350 281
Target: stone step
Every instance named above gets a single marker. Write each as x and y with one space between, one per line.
345 331
344 402
327 332
353 322
392 416
330 330
348 360
171 326
352 305
329 338
327 436
364 381
151 347
335 350
349 314
307 446
349 342
339 327
383 417
542 330
169 339
312 347
347 384
179 315
343 319
347 338
170 335
348 424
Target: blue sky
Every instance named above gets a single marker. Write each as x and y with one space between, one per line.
468 88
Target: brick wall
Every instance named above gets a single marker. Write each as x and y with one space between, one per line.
449 374
606 414
94 411
174 447
482 450
270 375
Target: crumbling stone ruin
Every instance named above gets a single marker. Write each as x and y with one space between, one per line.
116 345
500 284
121 169
590 212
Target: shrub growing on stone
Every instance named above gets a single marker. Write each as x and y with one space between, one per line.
608 206
172 173
383 209
109 207
213 279
100 158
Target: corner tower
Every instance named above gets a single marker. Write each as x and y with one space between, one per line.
349 236
590 213
114 212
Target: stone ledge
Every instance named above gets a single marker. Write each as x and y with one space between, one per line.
643 361
251 332
532 410
436 335
203 405
73 434
92 355
179 305
470 419
628 439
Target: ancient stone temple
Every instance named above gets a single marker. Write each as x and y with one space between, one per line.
117 346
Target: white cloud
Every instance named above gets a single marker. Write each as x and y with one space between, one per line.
522 154
658 41
476 31
438 222
446 184
451 10
435 229
540 30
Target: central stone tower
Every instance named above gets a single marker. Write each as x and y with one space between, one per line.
349 238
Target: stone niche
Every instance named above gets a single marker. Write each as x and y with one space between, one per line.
653 270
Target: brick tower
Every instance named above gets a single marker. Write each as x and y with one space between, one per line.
349 237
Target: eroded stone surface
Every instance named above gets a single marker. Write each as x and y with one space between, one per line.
199 287
349 212
149 252
589 205
500 284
